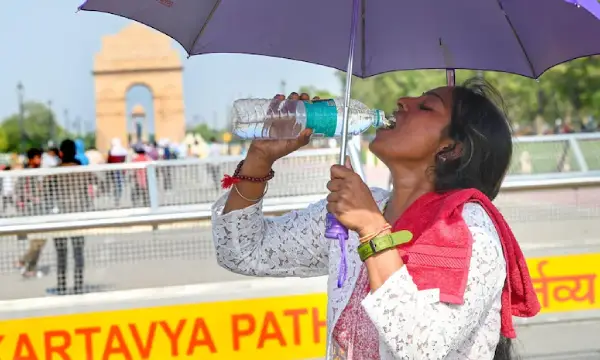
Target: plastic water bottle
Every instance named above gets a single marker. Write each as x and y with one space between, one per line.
273 119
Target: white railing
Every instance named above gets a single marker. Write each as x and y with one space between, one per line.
111 192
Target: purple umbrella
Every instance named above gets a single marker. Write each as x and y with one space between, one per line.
525 37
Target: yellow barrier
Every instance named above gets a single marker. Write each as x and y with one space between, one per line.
271 328
566 283
291 327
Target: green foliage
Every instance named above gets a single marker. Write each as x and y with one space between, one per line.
40 128
89 140
206 132
3 141
568 91
37 124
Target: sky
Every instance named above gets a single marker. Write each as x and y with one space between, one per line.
50 48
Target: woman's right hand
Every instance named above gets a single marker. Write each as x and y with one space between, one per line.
273 150
270 151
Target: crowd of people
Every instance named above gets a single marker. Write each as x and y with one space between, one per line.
61 193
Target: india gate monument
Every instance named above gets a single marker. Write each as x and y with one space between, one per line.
138 55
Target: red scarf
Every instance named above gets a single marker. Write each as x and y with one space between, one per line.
439 256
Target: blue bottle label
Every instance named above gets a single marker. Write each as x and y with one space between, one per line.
321 117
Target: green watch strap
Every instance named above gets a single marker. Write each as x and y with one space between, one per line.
382 243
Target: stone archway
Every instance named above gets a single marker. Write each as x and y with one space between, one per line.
138 55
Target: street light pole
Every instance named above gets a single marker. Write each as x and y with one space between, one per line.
66 123
51 124
20 91
79 123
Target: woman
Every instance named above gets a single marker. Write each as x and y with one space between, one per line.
448 286
70 195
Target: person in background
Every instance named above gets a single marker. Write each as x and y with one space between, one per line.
8 190
30 202
139 195
50 158
10 182
94 156
304 96
116 155
153 151
214 150
166 171
70 196
81 157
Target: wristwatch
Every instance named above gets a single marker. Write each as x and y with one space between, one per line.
382 243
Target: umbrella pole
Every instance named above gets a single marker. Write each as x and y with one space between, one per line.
333 228
353 33
450 77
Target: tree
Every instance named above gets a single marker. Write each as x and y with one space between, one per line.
382 91
576 83
37 122
3 141
206 132
89 140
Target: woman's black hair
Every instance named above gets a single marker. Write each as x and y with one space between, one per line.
481 156
483 135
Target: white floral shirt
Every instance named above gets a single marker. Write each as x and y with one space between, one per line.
412 324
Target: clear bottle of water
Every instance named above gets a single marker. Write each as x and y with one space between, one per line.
273 119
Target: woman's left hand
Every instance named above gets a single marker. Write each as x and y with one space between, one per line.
351 201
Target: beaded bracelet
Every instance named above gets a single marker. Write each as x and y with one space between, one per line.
228 181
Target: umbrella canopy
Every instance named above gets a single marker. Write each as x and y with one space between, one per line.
524 37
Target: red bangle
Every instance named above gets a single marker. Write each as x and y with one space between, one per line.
228 181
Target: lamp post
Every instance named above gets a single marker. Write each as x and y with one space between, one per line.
66 122
20 91
51 124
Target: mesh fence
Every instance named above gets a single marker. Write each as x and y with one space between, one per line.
29 193
71 190
199 183
79 190
33 265
182 253
95 260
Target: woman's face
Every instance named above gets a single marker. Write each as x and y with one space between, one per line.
418 133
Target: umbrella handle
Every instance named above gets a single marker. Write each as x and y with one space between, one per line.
334 230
